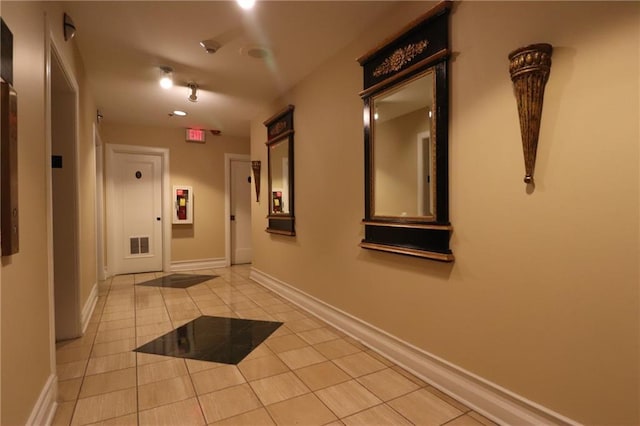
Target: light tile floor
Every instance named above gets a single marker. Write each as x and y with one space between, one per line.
306 373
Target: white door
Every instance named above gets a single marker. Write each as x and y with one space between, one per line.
241 250
137 206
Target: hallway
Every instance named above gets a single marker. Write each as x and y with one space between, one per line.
304 373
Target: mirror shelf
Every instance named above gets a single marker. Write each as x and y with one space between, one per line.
281 218
406 110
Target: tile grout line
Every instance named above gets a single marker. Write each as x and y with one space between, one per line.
86 367
135 335
193 385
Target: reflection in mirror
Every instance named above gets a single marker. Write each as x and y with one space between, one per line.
404 148
279 167
406 141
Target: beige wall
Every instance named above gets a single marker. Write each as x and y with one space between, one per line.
543 296
26 347
198 165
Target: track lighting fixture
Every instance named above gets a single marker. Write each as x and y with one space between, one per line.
193 96
166 80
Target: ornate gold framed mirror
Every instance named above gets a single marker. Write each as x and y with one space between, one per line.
280 172
406 113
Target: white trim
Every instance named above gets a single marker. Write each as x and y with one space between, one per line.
163 153
89 307
420 154
50 50
45 407
228 158
99 202
487 398
49 182
194 265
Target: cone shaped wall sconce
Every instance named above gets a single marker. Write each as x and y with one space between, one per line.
529 68
255 166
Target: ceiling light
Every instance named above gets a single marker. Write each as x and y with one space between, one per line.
246 4
179 113
166 80
210 46
193 96
256 52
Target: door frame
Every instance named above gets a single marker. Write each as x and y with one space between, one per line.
99 205
51 50
421 166
163 153
228 158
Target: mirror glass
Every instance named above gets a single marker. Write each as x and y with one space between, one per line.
403 130
279 170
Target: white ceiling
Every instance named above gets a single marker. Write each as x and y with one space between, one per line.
123 44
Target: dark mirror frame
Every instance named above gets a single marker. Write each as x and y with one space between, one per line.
421 45
280 128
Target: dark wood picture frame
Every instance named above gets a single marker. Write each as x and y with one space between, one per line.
421 46
9 213
280 129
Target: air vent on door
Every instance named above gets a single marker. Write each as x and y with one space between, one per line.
139 245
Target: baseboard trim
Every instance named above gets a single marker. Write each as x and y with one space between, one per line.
194 265
45 407
485 397
88 308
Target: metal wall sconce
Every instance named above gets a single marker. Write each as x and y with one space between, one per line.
68 27
255 166
529 68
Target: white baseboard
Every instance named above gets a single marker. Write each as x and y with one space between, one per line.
194 265
489 399
45 407
89 306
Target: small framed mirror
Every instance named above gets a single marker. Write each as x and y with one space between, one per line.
280 172
406 140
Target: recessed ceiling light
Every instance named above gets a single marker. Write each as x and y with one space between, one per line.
256 52
246 4
179 113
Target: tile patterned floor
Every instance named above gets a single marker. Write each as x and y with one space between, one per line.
305 373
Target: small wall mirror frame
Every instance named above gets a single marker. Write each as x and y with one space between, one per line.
406 119
280 163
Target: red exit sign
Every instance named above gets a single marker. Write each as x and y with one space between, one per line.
196 135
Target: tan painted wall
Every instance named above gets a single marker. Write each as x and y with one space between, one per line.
198 165
543 296
25 321
25 303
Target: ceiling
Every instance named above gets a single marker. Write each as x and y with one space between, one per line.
123 44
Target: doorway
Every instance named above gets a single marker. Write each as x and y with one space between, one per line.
238 209
137 179
63 110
